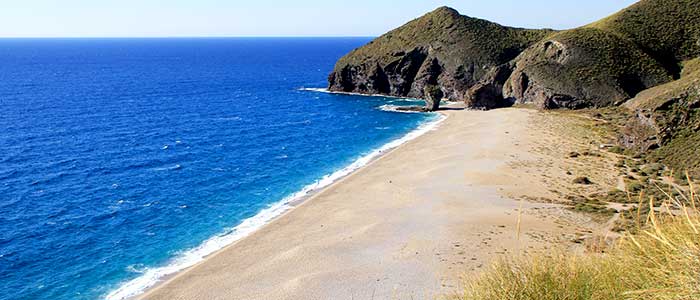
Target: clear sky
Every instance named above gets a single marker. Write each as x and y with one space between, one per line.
138 18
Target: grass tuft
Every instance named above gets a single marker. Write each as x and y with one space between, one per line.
660 260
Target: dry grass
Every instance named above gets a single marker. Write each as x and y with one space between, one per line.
661 260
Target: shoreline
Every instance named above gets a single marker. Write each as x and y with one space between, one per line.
411 223
156 276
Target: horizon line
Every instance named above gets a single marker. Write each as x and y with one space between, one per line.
187 37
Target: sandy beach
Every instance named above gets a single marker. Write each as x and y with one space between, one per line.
412 223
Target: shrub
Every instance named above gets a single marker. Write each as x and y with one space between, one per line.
582 180
616 149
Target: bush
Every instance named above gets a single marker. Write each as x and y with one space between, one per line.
582 180
635 186
616 149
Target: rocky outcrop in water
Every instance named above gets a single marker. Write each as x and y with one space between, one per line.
433 96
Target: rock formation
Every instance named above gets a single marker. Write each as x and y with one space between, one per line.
488 92
433 96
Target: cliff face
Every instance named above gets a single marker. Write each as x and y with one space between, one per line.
441 48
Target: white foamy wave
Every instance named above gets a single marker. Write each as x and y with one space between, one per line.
151 276
175 167
320 90
325 90
186 259
395 108
139 268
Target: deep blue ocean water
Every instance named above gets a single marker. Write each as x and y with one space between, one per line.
123 156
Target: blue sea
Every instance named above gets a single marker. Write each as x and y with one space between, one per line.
125 160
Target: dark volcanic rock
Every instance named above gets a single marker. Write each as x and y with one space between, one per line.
367 79
487 93
433 96
412 108
441 48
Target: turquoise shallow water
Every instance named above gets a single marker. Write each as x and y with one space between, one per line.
122 160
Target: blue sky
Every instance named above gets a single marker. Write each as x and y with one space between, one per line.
139 18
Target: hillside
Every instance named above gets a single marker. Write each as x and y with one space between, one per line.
609 61
669 31
671 115
582 67
441 47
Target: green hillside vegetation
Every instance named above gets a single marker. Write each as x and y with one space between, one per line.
684 87
452 37
612 60
605 54
585 67
674 111
667 30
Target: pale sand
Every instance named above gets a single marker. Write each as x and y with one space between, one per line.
408 225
